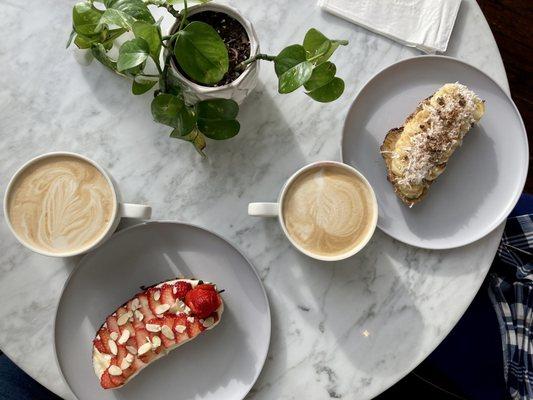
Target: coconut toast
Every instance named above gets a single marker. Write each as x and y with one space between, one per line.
416 153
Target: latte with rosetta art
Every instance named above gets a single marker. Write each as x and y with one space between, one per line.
328 210
61 204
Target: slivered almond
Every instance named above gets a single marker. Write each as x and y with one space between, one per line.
112 346
124 337
156 342
139 315
132 350
114 335
208 322
162 308
157 295
165 330
125 364
129 358
145 348
180 328
190 319
114 370
135 303
153 328
124 318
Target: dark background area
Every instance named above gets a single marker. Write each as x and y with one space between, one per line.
511 22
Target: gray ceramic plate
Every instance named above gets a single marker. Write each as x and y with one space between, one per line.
484 177
221 364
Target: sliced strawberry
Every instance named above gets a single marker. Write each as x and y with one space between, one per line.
203 300
145 307
104 338
195 328
99 345
151 299
112 325
117 380
181 319
167 295
141 335
168 320
206 286
182 288
105 381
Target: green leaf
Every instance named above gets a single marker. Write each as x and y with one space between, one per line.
288 58
195 137
216 118
134 8
330 92
295 77
116 17
85 18
71 37
141 86
84 42
322 75
172 111
201 53
318 45
132 53
151 33
99 53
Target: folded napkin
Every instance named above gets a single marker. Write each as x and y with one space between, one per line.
424 24
511 292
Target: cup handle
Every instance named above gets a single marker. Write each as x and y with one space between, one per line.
263 209
137 211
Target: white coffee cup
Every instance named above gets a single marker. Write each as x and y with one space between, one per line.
120 210
275 210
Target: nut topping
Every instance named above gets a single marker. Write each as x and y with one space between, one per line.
162 308
208 322
180 328
114 335
112 346
139 315
145 348
124 337
124 318
165 330
114 370
153 328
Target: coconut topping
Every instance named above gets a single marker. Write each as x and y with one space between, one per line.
447 122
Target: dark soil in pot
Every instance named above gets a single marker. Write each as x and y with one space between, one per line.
235 38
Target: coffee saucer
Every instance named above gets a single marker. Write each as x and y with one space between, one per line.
222 364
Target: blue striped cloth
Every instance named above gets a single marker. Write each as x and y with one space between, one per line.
511 293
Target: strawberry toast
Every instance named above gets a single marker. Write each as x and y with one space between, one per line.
151 324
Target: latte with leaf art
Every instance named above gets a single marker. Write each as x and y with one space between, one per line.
61 204
328 210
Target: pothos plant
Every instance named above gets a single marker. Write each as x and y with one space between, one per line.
200 52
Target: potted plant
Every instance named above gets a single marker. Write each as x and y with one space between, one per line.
195 58
240 40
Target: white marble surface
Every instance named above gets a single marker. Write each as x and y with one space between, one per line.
344 330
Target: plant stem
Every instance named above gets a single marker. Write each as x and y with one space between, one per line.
184 16
259 56
150 75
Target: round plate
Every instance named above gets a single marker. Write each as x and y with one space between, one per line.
484 177
220 364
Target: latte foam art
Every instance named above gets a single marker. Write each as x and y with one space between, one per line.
61 204
328 210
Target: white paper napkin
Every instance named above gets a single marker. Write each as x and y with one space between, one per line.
424 24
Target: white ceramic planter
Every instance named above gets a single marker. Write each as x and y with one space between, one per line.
240 87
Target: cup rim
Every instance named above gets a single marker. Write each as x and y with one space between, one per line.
361 244
82 250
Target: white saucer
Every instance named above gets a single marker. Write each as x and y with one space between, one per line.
484 177
221 364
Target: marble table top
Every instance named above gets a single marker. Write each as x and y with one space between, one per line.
342 330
